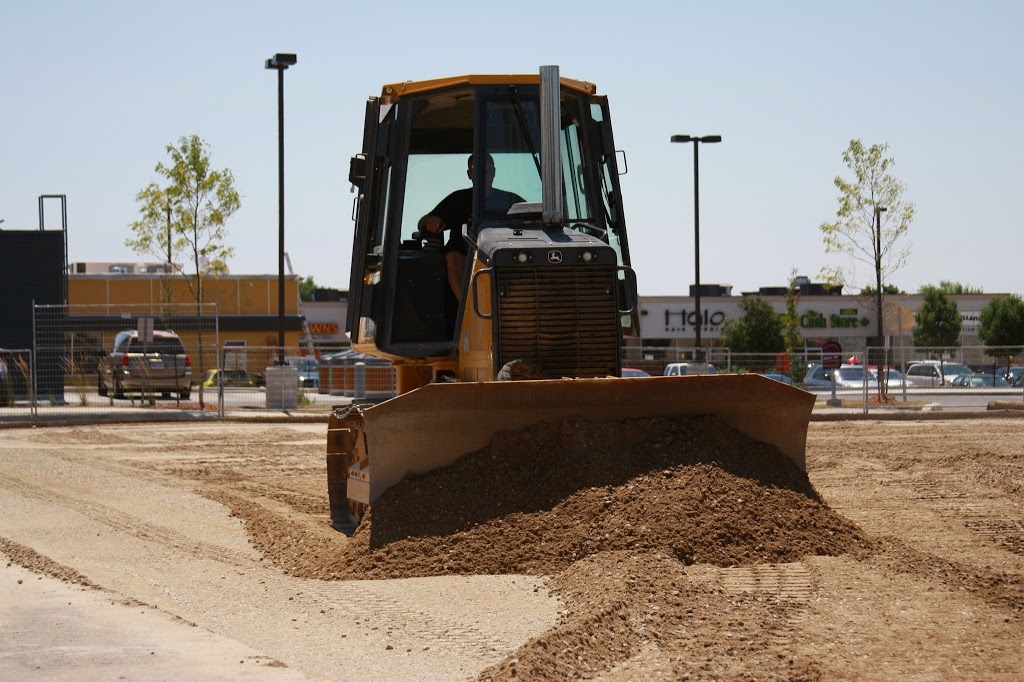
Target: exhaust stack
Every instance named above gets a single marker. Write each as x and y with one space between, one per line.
551 155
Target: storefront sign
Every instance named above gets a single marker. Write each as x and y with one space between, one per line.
846 318
682 321
323 328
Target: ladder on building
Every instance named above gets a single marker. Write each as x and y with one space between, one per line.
305 324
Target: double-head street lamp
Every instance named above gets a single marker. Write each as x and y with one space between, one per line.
280 62
696 227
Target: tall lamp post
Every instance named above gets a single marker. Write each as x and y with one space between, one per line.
280 62
696 226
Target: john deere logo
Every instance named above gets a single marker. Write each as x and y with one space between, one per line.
554 256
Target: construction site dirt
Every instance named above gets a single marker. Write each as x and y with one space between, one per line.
650 549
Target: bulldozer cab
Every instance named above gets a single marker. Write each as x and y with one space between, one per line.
417 140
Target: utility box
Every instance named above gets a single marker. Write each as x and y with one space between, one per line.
282 387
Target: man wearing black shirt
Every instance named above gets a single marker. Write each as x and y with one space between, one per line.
456 210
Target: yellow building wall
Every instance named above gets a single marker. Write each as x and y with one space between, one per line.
234 294
255 294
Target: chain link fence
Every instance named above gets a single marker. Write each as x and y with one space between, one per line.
963 378
91 357
92 361
322 379
17 384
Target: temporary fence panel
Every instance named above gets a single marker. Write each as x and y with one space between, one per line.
95 357
324 379
18 396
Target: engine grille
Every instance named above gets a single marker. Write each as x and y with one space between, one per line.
564 318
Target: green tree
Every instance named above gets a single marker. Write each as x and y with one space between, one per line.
956 288
758 330
872 220
887 289
306 287
186 211
937 320
791 320
1002 325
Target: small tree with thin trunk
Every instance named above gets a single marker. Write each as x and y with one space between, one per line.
201 199
872 223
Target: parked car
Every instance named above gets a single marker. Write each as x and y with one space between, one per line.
309 371
935 373
134 366
228 377
784 378
676 369
1014 375
846 376
893 377
980 380
631 373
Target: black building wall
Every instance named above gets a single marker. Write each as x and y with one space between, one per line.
32 269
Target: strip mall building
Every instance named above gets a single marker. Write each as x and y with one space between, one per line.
248 310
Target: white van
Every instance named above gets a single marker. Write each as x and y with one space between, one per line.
678 369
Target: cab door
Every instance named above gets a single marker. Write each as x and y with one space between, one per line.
369 173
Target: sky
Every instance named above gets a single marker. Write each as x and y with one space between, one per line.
94 92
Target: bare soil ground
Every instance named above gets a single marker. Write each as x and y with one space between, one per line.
664 550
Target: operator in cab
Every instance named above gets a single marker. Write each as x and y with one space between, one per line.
456 210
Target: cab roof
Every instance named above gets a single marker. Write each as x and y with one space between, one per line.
393 91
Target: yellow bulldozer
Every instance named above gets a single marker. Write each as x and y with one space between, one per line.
505 303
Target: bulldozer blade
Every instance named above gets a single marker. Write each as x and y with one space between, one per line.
433 426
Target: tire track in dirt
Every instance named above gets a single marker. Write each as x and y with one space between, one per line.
991 520
1008 534
431 628
790 581
790 584
128 524
376 610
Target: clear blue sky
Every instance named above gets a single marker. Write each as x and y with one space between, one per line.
92 92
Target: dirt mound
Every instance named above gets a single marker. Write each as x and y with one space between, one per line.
537 501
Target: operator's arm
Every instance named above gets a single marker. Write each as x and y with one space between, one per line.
431 224
453 210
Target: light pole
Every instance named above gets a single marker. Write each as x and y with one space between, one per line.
696 226
280 62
